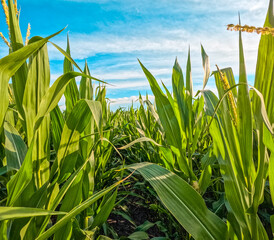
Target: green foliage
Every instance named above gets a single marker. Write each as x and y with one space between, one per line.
209 159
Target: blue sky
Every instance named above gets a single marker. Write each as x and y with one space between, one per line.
112 34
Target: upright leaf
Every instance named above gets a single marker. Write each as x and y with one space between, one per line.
20 77
244 118
15 147
206 66
8 67
71 93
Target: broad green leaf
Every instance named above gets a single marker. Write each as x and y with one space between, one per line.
206 66
138 236
264 76
37 84
205 179
10 64
53 96
236 192
20 77
262 111
55 199
86 89
180 104
272 223
185 204
71 92
72 199
75 211
189 94
57 124
271 176
21 179
3 170
15 147
106 208
168 120
145 226
23 212
189 83
211 102
69 58
244 123
74 126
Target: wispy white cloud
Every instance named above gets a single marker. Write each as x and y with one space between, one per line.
156 32
128 100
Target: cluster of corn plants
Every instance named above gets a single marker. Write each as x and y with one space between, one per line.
57 167
50 160
241 125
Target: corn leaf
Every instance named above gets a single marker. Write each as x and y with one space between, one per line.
21 179
20 77
15 147
71 92
8 67
23 212
78 209
244 123
185 204
206 66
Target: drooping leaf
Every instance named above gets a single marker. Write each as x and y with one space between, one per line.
185 204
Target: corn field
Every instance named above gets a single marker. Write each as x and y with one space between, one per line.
201 165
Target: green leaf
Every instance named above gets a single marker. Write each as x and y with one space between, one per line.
206 66
105 210
57 124
244 124
211 102
7 213
185 204
37 84
54 199
264 76
272 223
20 77
72 199
138 140
189 83
271 176
205 179
145 226
53 96
8 67
71 92
74 126
86 89
168 120
138 236
21 179
75 211
15 147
